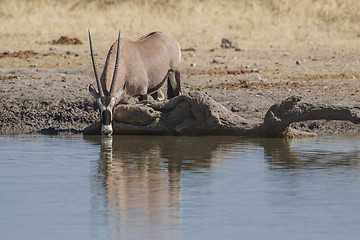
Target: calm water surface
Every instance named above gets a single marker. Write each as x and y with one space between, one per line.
77 187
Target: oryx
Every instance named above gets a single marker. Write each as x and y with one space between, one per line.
136 68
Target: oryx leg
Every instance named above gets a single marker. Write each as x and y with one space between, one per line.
143 97
174 88
158 95
178 86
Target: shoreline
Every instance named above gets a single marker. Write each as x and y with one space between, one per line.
45 88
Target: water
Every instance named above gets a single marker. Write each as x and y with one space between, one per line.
77 187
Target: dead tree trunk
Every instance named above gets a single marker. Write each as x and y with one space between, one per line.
279 117
198 114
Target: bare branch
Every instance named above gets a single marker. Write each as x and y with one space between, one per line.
293 109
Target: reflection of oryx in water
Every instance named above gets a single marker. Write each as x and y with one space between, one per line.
141 175
136 68
139 190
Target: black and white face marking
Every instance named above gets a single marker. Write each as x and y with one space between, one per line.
106 116
106 106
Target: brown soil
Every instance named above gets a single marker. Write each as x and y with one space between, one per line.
45 88
24 54
66 40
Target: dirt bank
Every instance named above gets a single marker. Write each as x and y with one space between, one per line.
45 88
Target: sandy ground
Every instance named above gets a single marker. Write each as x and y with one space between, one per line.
45 88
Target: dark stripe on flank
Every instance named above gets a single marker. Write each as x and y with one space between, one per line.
151 90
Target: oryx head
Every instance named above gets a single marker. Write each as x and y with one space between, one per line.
106 102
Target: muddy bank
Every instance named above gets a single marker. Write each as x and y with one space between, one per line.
60 104
45 89
34 100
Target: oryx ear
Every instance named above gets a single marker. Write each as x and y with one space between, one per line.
118 95
93 92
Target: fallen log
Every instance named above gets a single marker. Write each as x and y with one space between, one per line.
197 113
279 117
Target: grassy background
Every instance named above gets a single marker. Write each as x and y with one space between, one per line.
195 23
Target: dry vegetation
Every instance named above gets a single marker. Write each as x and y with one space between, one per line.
194 22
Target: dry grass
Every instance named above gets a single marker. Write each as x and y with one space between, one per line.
195 23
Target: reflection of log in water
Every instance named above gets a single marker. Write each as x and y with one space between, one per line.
281 154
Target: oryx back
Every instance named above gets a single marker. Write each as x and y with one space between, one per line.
143 64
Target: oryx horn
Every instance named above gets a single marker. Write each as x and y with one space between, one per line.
116 67
101 92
